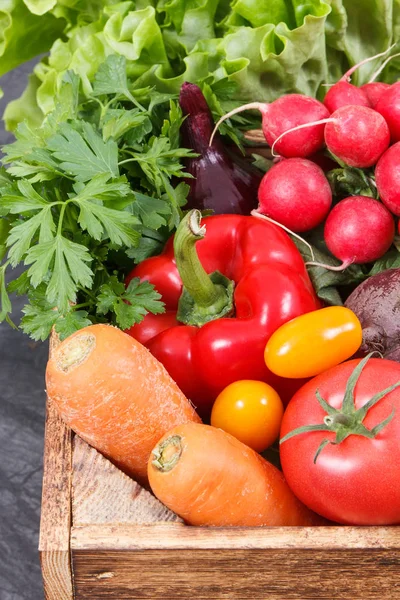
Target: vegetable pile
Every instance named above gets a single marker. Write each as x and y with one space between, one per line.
206 209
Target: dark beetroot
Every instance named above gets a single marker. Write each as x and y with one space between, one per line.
223 181
376 304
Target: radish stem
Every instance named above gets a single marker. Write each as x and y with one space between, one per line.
338 268
259 215
321 122
252 106
383 65
349 73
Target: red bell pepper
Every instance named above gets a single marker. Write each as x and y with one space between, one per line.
215 328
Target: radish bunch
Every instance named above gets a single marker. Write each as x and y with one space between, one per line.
360 128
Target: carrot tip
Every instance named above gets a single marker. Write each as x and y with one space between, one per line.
167 453
74 352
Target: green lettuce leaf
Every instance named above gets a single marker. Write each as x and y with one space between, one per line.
264 48
24 35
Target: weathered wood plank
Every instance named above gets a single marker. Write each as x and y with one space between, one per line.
102 494
252 574
55 519
175 536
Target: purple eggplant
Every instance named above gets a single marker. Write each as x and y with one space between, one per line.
222 181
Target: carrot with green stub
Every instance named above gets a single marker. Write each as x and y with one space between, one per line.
115 395
208 477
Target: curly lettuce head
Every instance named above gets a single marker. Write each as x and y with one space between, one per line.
265 48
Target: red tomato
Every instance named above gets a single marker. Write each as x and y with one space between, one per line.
357 480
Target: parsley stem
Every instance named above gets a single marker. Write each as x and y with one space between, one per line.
83 305
60 219
134 101
127 160
88 293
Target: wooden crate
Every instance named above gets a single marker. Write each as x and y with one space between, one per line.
104 536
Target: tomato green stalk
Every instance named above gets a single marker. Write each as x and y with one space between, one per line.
348 420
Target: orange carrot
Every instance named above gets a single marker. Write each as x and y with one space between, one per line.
115 395
208 477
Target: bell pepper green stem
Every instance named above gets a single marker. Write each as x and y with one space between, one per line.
194 278
205 297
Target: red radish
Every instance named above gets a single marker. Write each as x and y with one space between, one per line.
358 230
344 93
296 193
356 135
374 91
387 178
388 106
287 113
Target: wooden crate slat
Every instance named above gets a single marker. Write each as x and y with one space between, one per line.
55 517
55 520
245 574
176 536
101 493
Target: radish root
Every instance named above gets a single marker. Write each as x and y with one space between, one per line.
338 268
321 122
259 215
252 106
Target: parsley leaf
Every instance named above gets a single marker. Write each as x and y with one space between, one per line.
85 195
151 211
20 285
40 316
70 322
21 235
118 122
38 320
5 303
84 154
111 79
69 270
128 305
148 246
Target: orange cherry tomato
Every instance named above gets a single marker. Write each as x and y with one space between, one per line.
314 342
251 411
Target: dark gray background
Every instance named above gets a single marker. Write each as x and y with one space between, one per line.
22 408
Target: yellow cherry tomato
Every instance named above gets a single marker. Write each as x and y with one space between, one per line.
251 411
313 343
